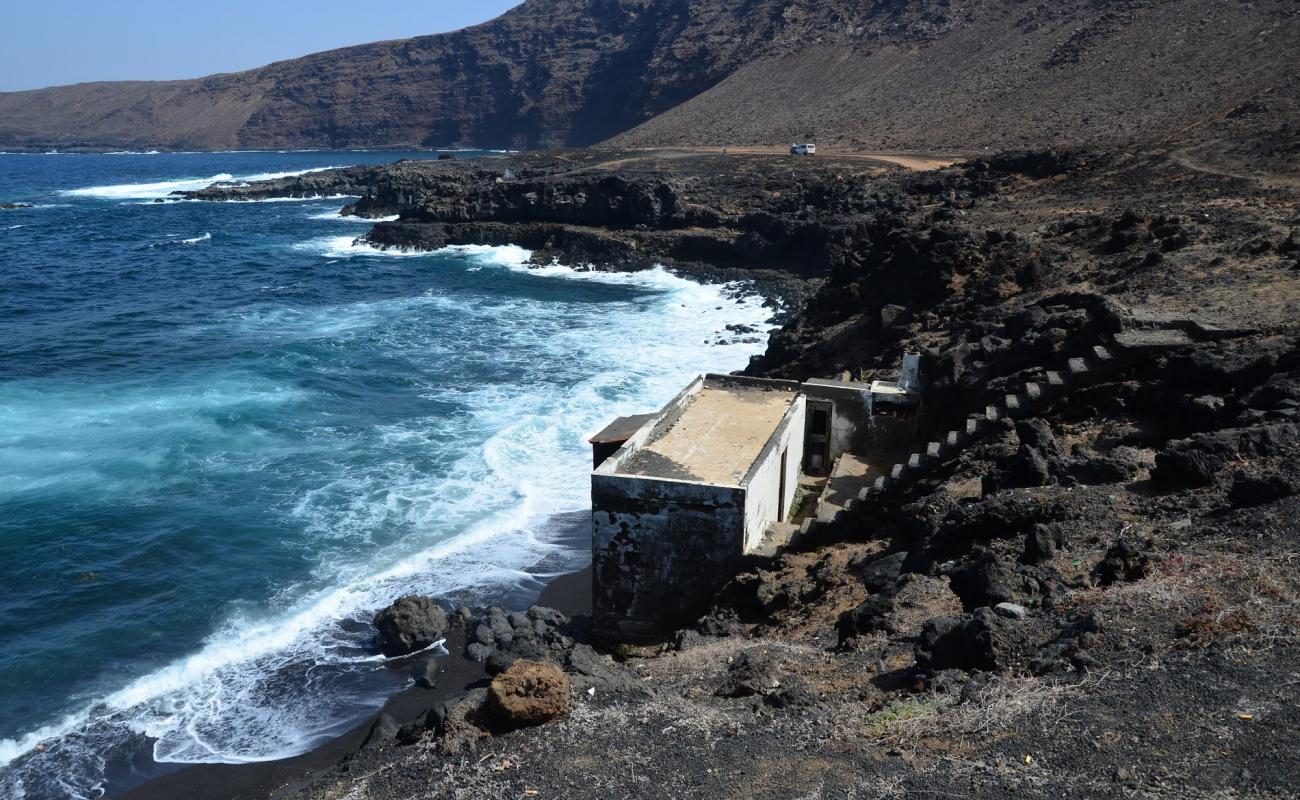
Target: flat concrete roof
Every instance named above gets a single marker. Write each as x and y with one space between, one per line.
715 438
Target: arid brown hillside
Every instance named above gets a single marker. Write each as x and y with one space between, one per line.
862 73
995 74
549 72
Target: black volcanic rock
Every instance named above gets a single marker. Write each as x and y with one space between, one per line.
410 624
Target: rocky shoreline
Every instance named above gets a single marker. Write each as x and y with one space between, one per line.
1095 596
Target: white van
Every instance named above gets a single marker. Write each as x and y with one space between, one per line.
803 149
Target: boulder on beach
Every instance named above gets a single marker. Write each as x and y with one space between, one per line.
409 625
528 693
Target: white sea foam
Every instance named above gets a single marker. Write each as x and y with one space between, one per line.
335 216
201 238
517 454
162 189
349 246
146 191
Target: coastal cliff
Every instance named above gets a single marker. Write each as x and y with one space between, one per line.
1094 597
927 74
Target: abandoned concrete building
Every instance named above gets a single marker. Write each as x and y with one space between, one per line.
730 467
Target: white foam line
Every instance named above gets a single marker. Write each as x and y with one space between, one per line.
162 189
335 216
167 703
242 643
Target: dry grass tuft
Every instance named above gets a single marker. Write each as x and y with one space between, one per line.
1226 598
1002 704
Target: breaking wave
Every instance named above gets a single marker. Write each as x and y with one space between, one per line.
451 502
162 189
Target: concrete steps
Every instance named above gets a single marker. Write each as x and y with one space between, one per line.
1078 372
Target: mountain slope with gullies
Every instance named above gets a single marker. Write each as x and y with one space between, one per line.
992 74
920 74
548 72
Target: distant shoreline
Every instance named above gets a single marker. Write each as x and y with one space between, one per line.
117 151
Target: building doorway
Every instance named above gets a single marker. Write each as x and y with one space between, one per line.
817 440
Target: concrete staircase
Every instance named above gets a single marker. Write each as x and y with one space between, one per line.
1030 398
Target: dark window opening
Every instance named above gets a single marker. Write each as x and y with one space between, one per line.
780 500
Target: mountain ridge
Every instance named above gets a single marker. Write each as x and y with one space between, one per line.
918 74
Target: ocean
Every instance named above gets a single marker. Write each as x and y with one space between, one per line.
229 434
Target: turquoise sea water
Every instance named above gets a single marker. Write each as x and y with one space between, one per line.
228 434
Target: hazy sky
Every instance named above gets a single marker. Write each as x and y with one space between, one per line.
52 42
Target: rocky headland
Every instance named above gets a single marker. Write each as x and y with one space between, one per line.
1092 595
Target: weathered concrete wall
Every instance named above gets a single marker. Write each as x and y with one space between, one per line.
660 550
763 496
662 547
855 429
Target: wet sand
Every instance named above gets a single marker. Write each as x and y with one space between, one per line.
569 593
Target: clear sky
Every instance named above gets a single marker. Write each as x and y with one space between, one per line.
52 42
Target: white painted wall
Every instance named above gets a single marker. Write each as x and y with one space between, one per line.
763 483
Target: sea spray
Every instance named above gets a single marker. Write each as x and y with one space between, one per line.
242 449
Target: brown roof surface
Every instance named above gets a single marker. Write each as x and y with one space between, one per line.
716 438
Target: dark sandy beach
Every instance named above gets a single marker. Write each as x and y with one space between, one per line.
569 593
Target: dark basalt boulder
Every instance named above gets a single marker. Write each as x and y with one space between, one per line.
499 662
1247 491
383 732
1041 543
1027 468
749 675
794 695
1186 468
977 641
1197 461
1036 433
409 625
869 616
985 580
1082 632
881 574
1123 561
1096 469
